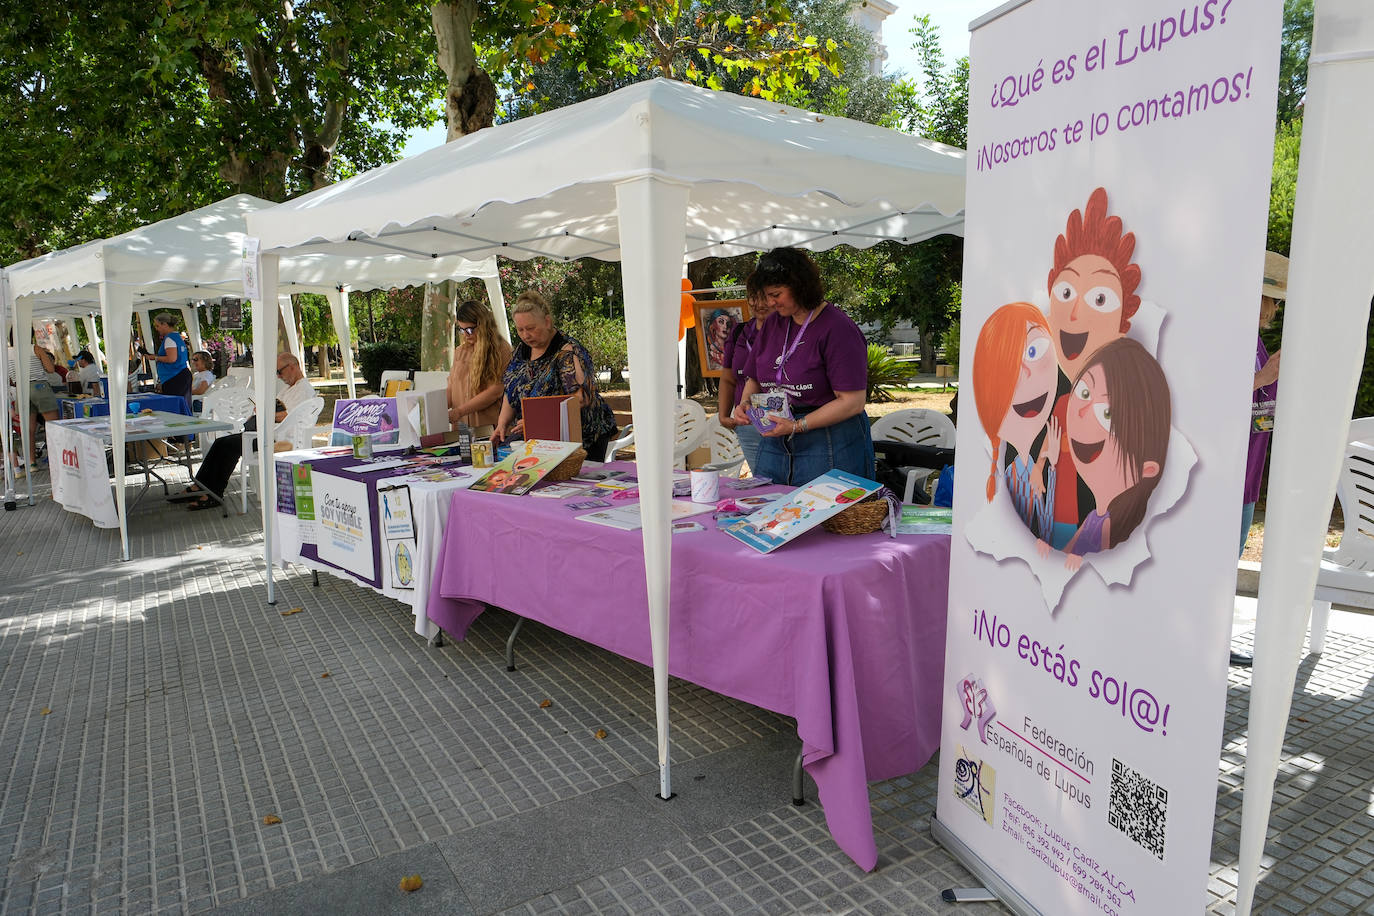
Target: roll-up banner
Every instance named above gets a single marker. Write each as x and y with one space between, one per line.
1119 158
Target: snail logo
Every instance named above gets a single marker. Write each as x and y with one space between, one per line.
973 694
975 783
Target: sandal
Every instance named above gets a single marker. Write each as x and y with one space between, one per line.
205 502
187 495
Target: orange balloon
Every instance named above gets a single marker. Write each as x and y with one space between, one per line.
687 316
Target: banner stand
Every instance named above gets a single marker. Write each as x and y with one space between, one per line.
992 882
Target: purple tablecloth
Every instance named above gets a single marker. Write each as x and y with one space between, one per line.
846 634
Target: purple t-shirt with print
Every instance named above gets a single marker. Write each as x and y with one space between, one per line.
737 350
831 356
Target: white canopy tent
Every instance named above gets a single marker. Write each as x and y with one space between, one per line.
1324 331
652 175
183 259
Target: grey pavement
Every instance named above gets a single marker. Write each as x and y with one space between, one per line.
156 711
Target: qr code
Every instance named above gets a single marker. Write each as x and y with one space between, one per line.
1138 808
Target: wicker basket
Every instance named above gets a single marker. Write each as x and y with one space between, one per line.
864 517
568 467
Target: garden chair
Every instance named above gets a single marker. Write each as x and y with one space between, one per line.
231 405
726 452
298 428
916 426
691 430
1346 576
429 380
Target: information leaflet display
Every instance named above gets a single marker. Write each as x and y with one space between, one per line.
1118 174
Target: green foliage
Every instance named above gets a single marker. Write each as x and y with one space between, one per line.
934 103
1294 48
119 113
951 344
317 326
884 371
376 358
1283 187
603 337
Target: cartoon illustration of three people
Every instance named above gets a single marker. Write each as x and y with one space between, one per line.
1078 414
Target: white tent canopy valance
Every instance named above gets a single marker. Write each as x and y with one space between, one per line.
653 175
178 261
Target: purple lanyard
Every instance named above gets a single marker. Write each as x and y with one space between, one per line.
788 351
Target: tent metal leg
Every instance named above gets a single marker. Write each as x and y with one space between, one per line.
315 578
437 640
798 798
510 644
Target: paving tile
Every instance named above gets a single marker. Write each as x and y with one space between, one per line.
520 857
367 889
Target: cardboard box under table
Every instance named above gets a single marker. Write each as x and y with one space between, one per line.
846 634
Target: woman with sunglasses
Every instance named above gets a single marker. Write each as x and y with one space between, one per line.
815 355
479 360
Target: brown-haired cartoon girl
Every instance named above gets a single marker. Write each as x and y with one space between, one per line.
1014 382
1118 430
1092 298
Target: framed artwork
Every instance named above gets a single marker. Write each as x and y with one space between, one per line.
231 313
715 323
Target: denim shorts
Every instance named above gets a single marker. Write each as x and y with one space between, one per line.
800 459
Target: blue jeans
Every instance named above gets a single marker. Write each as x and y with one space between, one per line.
749 440
1247 515
846 446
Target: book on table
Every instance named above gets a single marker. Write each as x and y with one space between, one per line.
528 463
780 521
557 416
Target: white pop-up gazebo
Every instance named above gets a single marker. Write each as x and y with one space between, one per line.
179 261
653 175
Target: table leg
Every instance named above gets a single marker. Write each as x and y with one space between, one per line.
798 797
510 644
437 640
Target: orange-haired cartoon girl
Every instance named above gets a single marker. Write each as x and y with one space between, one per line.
1092 286
1118 428
1014 381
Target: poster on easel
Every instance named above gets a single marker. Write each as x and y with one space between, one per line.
1117 198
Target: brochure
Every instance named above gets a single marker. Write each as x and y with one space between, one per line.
377 418
627 517
767 408
744 483
559 490
799 511
683 527
526 465
596 475
587 504
925 520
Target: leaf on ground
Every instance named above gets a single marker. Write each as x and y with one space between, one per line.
44 711
294 610
411 883
545 704
270 819
600 734
326 674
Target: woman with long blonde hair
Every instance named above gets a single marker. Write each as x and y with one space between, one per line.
479 360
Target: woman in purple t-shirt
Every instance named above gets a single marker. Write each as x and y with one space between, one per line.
815 354
737 350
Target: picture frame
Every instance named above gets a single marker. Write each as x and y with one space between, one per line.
719 318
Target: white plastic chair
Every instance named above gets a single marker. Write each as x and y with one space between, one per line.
1347 571
242 374
231 405
392 375
429 380
297 428
690 430
726 452
916 426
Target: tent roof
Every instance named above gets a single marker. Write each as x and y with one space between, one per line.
197 255
761 175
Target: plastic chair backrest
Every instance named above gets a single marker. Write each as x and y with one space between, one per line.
298 427
243 373
1355 490
430 380
232 405
916 425
726 451
392 375
691 428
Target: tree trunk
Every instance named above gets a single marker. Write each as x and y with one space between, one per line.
438 319
927 352
326 372
469 106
